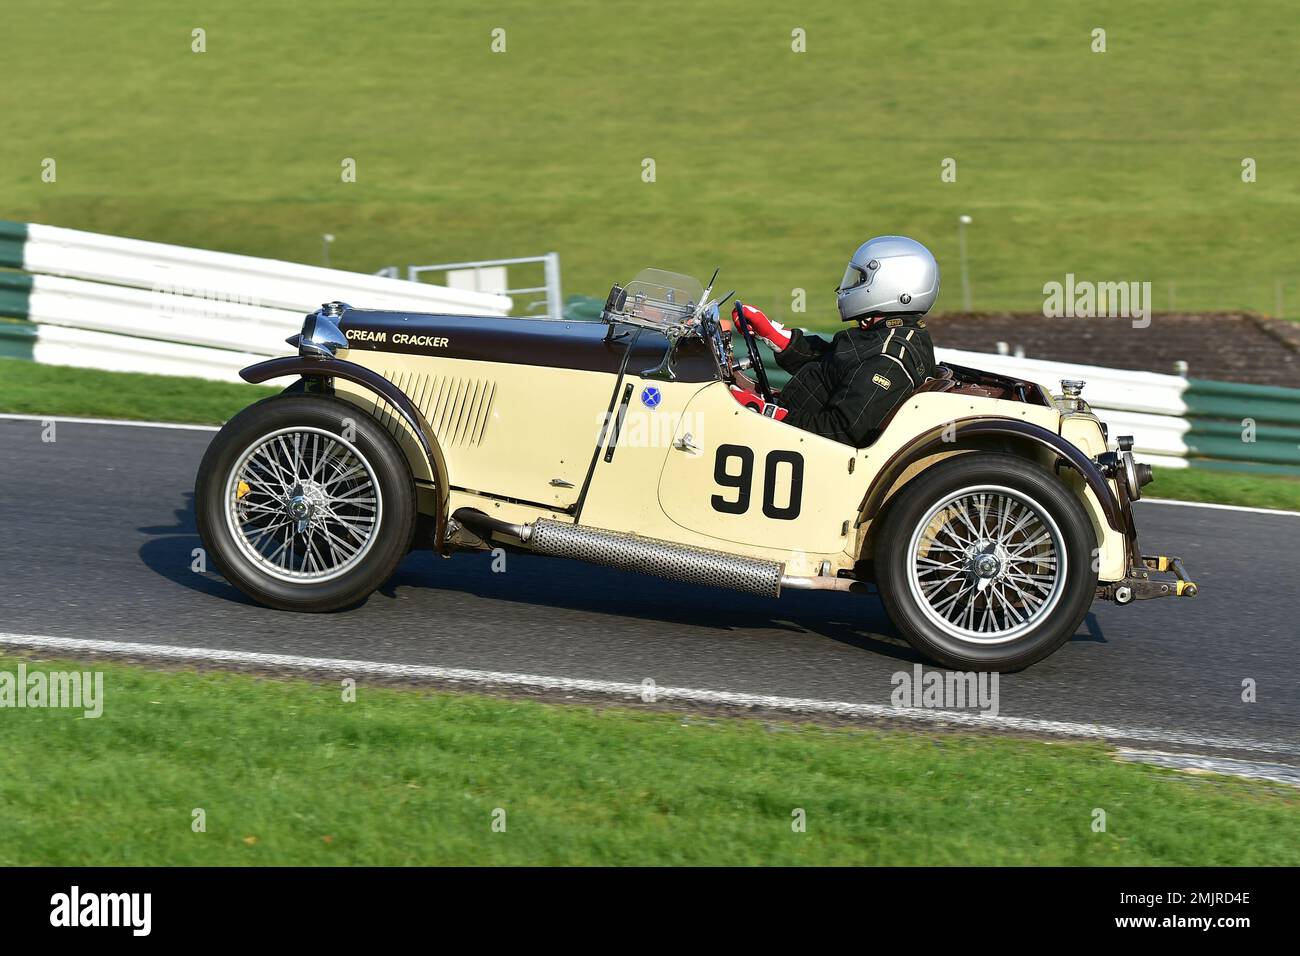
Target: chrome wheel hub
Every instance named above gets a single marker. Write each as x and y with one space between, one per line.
303 505
985 562
308 505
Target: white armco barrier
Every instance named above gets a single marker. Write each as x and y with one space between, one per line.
57 345
1107 387
224 276
1147 405
98 301
138 313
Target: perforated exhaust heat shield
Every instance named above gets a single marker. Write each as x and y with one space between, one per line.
664 559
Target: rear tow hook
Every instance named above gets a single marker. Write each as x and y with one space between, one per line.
1141 586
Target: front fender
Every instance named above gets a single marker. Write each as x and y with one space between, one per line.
933 440
328 368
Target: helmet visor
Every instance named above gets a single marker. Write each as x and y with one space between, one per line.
854 276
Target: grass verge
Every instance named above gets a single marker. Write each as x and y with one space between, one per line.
31 388
286 772
1226 487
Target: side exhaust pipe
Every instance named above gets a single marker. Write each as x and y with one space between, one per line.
663 559
485 526
631 552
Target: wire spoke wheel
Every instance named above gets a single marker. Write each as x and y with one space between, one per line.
987 564
303 504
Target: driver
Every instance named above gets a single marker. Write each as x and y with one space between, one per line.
843 389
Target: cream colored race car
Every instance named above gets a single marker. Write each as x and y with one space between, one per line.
988 513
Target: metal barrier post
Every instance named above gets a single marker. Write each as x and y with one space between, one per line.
551 267
553 305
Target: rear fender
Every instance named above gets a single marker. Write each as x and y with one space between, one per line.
933 441
970 434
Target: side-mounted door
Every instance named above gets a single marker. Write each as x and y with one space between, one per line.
741 478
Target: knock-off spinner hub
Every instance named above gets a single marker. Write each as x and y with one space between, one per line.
306 504
985 560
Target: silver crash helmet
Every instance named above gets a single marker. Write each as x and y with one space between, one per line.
888 275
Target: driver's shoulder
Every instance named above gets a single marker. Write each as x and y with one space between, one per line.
858 344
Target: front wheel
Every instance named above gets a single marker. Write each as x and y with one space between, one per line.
305 503
985 562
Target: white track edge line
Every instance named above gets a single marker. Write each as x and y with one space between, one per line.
1218 507
621 689
1229 766
109 421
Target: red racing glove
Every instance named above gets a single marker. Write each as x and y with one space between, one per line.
754 403
765 328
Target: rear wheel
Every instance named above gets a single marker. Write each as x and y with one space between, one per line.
305 503
986 562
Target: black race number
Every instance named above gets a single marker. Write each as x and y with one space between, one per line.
740 482
742 479
791 509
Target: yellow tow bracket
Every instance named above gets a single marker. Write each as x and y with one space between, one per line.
1184 586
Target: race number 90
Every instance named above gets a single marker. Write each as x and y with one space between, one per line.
726 475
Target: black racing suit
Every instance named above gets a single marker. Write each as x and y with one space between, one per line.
843 389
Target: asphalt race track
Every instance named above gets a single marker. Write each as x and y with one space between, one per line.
98 530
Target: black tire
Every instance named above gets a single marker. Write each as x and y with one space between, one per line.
392 532
900 587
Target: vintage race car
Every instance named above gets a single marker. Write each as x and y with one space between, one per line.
988 513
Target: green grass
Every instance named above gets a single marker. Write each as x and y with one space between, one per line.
1226 487
288 773
1123 165
29 388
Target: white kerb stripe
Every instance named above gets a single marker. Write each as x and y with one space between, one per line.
974 721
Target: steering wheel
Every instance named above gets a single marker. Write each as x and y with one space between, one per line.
755 356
